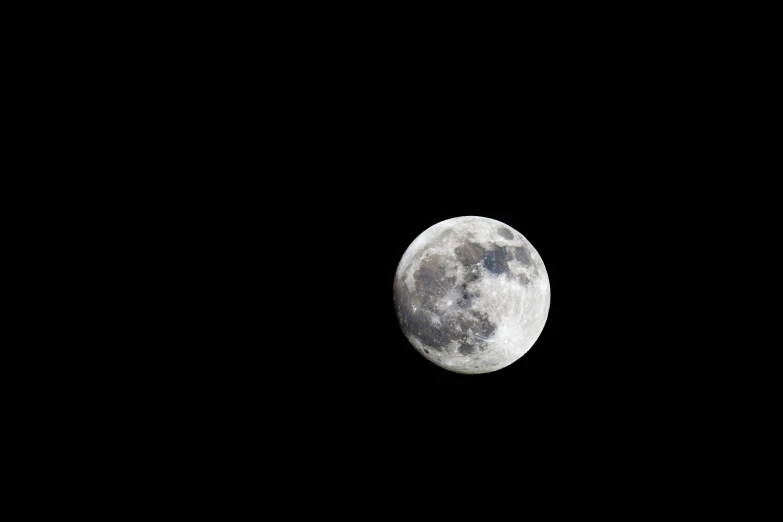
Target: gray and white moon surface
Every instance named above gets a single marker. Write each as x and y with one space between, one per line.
472 294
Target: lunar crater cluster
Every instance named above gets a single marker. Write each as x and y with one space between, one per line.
472 294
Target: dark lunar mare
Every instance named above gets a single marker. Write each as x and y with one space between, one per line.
415 310
522 255
496 261
469 253
466 349
505 233
431 281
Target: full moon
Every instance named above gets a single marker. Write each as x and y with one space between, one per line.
472 294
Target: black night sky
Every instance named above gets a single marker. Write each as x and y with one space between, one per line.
289 225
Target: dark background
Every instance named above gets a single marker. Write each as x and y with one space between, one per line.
299 182
300 328
253 189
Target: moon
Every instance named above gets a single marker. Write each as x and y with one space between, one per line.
472 294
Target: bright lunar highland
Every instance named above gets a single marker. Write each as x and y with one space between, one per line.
472 294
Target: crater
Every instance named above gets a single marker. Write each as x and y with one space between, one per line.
505 233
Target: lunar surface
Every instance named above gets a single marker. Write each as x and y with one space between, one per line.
472 294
